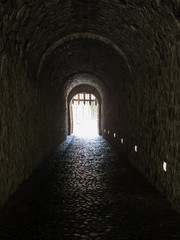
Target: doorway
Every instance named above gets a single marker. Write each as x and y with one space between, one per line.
84 113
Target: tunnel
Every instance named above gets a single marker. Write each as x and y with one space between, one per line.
125 52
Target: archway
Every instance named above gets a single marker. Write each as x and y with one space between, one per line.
84 115
88 98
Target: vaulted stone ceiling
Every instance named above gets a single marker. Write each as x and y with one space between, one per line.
128 50
142 30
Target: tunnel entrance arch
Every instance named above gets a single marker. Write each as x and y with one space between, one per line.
83 82
84 115
85 90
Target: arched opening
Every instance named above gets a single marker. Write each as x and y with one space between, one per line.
84 111
84 115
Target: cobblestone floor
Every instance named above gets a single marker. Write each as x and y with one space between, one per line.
88 192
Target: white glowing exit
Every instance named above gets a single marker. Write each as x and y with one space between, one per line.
85 109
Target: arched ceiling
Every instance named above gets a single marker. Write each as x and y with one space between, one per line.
76 36
81 82
84 55
142 30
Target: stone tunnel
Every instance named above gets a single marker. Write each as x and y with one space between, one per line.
125 52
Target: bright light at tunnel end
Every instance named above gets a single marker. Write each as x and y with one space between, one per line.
85 116
87 129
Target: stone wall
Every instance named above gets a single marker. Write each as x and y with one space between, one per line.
152 118
29 124
132 47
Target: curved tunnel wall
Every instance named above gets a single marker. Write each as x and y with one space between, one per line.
132 47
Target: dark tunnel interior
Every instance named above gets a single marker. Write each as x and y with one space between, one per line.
126 52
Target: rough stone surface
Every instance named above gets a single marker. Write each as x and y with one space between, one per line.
133 50
29 130
87 191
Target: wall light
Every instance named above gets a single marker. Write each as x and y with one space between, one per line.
165 166
122 140
114 135
104 130
135 148
108 132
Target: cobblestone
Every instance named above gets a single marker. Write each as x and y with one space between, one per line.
89 193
